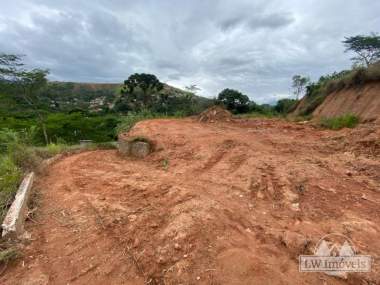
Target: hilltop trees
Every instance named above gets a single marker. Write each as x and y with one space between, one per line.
145 92
234 100
141 90
367 48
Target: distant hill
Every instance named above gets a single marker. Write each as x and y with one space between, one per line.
73 96
69 96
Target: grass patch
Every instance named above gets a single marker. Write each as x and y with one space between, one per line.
9 254
50 150
337 123
258 115
127 122
10 178
140 139
102 145
131 119
299 118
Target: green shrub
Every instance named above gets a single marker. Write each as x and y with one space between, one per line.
131 119
357 78
101 145
50 150
337 123
9 254
10 177
258 115
354 78
25 157
73 127
7 138
373 72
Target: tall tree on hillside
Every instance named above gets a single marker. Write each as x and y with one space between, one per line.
25 84
299 84
30 83
141 88
9 65
192 88
234 100
367 48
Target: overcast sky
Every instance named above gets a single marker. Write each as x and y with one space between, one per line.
251 45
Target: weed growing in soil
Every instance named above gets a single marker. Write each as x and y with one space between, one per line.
337 123
165 164
9 254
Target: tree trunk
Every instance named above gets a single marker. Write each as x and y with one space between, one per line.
45 133
41 119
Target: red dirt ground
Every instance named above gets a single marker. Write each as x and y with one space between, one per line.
223 203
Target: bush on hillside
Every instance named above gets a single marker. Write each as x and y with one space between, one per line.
285 106
337 123
355 78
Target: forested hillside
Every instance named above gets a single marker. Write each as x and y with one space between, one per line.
73 96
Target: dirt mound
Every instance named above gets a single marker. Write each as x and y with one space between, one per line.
214 114
228 203
362 101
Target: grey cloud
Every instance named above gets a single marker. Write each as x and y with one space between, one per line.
259 21
272 21
254 46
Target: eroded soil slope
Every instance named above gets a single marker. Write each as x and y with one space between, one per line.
231 203
361 101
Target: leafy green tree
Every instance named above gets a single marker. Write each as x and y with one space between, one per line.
141 88
285 106
234 100
299 83
367 48
9 65
25 84
30 83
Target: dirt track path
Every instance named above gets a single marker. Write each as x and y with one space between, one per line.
225 203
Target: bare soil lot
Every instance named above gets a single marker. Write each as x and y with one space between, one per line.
217 203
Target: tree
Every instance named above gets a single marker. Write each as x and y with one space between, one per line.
9 65
299 84
192 88
24 83
285 106
31 82
234 100
367 48
141 88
